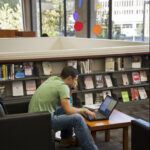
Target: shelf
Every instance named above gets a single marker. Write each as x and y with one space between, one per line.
130 103
20 98
111 88
121 71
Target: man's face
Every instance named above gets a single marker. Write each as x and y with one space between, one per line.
74 82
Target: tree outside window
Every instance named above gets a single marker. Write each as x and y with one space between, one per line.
11 14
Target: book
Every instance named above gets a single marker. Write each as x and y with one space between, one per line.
143 76
99 98
28 68
47 68
30 87
88 98
2 90
19 71
134 94
136 61
88 82
99 81
105 93
142 93
125 79
109 64
136 78
17 88
125 96
127 63
72 63
92 107
86 66
119 62
108 81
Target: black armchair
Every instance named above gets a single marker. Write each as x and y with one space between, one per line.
140 135
25 131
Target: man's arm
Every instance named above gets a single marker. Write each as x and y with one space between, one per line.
72 110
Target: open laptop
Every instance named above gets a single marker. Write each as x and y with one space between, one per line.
104 110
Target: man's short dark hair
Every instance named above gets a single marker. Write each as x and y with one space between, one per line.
69 71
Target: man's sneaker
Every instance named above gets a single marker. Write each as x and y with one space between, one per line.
68 142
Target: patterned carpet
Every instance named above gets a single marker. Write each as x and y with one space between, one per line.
137 111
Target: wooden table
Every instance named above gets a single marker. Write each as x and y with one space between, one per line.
116 120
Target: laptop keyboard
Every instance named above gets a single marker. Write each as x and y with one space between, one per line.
99 115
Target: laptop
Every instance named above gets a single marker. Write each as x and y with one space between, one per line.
104 111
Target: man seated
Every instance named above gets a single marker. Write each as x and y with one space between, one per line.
53 96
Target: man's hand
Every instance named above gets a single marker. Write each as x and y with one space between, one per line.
88 112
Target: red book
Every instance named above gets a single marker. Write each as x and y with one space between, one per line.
136 78
136 92
132 94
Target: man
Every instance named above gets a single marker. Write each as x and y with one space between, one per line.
53 96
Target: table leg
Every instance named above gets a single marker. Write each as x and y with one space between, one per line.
107 135
125 138
94 135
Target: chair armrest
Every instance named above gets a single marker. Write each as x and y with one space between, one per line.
26 131
140 134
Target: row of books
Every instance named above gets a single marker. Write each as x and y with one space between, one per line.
136 94
88 81
100 80
18 88
137 77
123 63
12 71
89 100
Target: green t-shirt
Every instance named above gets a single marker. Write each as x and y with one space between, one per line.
47 96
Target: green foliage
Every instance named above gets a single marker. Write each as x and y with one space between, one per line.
10 18
12 3
50 22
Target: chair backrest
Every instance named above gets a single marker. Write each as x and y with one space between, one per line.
140 135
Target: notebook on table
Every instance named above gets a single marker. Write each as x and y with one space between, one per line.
104 110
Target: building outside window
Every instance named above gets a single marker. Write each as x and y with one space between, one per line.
11 14
124 26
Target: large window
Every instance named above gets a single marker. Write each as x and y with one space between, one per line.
130 19
11 14
100 17
117 19
52 17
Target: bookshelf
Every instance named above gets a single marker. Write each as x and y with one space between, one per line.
59 51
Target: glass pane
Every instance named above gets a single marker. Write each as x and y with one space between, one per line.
127 20
52 17
11 14
70 20
99 19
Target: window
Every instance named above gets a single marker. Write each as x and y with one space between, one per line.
127 28
52 17
70 9
11 14
101 19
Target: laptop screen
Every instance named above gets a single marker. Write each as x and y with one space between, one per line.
108 105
